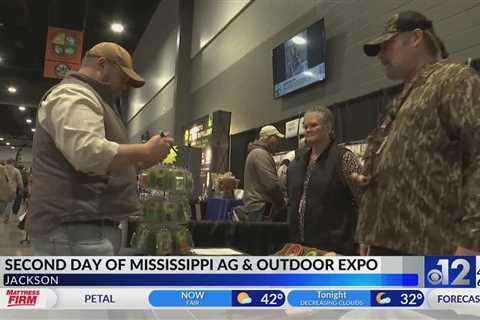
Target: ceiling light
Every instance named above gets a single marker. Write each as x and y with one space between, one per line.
8 143
1 59
28 121
299 40
1 139
117 27
12 147
12 89
33 129
22 108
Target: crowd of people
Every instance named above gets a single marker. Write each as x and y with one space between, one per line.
417 193
14 182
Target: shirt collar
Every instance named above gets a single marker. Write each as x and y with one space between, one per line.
102 88
426 71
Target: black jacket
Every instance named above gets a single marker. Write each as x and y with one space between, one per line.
330 216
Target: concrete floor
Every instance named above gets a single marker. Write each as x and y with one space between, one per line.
10 237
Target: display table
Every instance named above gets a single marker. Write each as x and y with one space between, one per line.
253 238
215 252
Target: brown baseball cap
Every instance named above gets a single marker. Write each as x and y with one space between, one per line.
400 22
118 55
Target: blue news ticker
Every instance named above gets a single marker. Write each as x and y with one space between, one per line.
211 280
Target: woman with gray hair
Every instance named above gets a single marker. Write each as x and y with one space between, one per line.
322 198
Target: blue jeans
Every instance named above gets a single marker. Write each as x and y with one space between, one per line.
78 239
7 211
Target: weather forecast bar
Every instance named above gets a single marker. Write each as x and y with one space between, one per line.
144 298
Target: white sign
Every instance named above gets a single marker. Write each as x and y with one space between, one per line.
291 128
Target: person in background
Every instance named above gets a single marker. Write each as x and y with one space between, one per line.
322 198
20 193
282 172
84 169
26 181
16 175
263 190
24 214
7 188
422 168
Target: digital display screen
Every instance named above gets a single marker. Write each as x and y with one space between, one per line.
299 61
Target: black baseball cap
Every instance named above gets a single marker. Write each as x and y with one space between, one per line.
400 22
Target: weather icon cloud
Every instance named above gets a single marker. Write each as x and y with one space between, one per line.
244 298
381 299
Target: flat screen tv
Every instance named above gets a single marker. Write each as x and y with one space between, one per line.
299 61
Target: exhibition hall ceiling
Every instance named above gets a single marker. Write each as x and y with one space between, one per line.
23 35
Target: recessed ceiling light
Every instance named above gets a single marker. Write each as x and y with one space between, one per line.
8 143
33 129
22 108
12 89
117 27
1 139
12 147
28 121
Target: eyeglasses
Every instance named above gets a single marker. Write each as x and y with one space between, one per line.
313 126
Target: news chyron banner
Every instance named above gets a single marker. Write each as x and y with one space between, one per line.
72 283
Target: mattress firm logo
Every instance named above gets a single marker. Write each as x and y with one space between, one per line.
18 298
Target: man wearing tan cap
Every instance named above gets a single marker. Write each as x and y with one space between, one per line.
263 189
84 170
422 179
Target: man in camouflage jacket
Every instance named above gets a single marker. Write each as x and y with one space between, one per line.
422 170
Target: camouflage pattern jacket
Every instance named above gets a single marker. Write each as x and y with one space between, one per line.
424 164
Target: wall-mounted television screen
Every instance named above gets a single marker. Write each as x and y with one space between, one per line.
299 61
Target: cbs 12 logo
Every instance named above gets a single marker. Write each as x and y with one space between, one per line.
450 272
